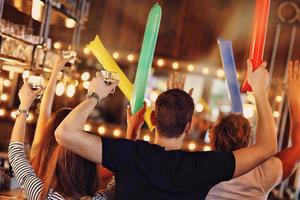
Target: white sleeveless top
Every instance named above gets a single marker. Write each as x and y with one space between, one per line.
255 185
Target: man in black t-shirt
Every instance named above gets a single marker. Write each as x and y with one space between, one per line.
162 170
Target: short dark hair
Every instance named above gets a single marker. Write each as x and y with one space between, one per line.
231 133
173 109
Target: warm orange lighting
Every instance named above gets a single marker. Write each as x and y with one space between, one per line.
192 146
205 70
57 45
101 130
87 127
4 97
117 133
160 62
70 23
130 57
190 68
175 65
116 55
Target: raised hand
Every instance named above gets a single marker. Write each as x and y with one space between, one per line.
135 122
258 79
27 95
177 81
98 86
293 82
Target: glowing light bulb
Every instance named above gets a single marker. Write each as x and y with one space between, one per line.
60 89
101 130
199 107
276 114
6 83
87 127
86 51
57 45
207 148
160 62
70 23
86 84
146 138
278 98
116 55
4 97
205 70
2 112
85 76
13 114
190 68
192 146
117 133
220 73
175 65
130 57
71 89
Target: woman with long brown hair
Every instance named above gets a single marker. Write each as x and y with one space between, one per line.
59 173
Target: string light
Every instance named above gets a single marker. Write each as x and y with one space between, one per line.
207 148
238 75
205 70
220 73
199 107
2 112
86 51
60 89
175 65
87 127
4 97
192 146
130 57
276 114
160 62
101 130
116 55
70 23
71 90
146 138
57 45
6 83
117 133
85 76
278 98
13 114
86 84
190 67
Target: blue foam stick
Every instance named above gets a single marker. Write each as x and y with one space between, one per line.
225 47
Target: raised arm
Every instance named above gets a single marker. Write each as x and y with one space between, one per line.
134 123
266 142
291 155
46 105
70 132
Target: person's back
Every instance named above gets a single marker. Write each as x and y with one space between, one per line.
151 172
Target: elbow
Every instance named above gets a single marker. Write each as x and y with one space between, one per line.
60 135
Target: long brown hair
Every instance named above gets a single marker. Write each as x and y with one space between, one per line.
65 172
231 133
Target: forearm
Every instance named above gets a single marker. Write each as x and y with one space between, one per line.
78 116
18 132
132 133
265 131
46 107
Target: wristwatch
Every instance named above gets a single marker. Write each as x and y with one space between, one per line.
22 111
92 95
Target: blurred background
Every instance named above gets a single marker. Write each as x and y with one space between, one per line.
34 32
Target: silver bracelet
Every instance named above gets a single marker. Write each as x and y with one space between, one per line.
22 111
92 95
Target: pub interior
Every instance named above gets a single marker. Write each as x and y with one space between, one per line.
35 33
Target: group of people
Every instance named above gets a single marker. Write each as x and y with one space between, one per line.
64 159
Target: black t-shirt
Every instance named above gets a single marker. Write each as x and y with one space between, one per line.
148 171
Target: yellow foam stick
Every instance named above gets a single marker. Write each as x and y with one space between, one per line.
109 64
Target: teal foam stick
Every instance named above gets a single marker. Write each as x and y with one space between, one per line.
146 58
